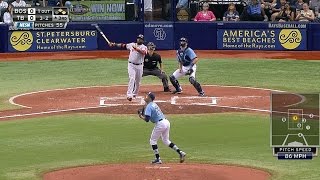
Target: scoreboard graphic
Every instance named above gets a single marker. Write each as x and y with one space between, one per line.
40 18
295 125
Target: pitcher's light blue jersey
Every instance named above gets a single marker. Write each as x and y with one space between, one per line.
154 112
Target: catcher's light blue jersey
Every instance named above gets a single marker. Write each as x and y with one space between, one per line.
186 56
154 112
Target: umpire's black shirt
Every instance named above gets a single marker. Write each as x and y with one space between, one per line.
151 62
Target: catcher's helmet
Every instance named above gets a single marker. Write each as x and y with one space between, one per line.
183 39
140 36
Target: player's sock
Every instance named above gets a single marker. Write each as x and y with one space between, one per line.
175 147
156 151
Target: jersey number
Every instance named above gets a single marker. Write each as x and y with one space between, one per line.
158 111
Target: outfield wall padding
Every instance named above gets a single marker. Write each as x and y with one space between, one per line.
166 35
314 37
4 37
200 35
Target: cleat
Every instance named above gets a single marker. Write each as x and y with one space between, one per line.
156 161
182 156
177 92
134 96
166 90
129 98
201 94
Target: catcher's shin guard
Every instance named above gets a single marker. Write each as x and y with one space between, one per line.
196 84
175 83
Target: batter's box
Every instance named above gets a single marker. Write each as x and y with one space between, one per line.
193 100
118 101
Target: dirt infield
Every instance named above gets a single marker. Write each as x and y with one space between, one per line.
158 172
112 100
214 54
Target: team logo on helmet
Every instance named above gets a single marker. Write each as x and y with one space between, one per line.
140 36
160 34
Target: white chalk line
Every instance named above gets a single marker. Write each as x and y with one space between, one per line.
171 101
11 100
48 112
157 167
303 99
254 109
96 107
241 108
178 104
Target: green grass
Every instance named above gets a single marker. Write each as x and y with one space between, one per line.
33 146
38 145
18 77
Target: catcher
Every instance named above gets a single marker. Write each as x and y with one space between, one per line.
150 66
187 67
153 113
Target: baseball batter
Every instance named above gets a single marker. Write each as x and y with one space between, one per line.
153 113
187 60
135 64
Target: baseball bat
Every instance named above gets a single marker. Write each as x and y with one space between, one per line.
101 32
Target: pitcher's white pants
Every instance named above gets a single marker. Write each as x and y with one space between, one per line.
161 129
135 74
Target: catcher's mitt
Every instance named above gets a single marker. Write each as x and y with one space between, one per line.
189 72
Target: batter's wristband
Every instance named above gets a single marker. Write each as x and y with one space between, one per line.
121 45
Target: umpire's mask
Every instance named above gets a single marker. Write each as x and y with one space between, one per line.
151 46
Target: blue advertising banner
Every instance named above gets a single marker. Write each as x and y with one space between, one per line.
314 37
71 40
264 39
160 33
3 37
200 35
